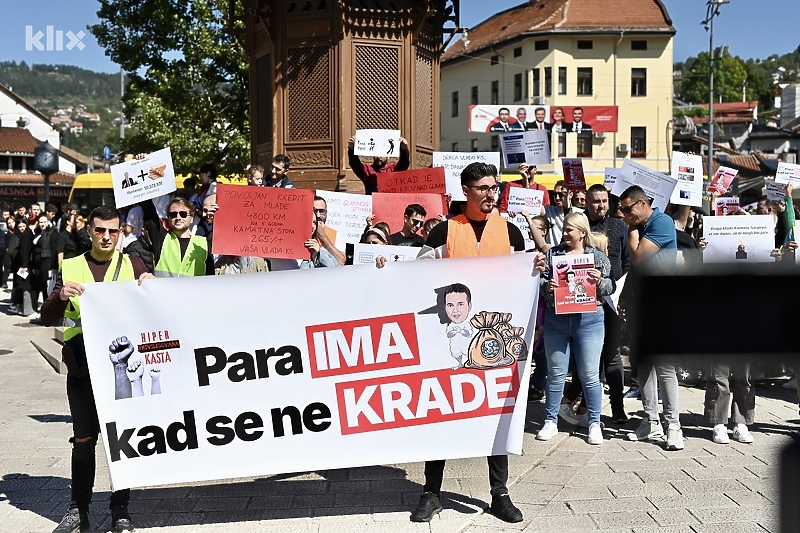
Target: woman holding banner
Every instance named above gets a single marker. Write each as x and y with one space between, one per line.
581 334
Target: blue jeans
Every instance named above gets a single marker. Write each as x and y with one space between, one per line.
582 335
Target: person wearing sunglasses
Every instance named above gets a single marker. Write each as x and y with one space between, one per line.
103 263
178 252
413 219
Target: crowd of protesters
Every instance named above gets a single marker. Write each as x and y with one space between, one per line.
621 234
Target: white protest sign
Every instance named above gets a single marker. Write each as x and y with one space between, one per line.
688 171
656 185
749 239
143 179
370 377
530 200
788 173
365 254
611 175
454 163
775 190
377 143
528 147
522 223
347 214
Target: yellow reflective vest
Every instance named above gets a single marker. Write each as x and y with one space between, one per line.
170 264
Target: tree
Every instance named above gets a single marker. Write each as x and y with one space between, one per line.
187 79
729 75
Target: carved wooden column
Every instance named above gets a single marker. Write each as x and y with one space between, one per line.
320 69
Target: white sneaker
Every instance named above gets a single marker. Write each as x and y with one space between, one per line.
720 434
646 431
742 434
595 434
674 438
567 413
548 431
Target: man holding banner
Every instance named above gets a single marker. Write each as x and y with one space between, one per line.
102 263
476 232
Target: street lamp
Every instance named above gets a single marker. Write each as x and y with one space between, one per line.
711 11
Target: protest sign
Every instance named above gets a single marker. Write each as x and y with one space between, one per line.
390 208
575 292
788 173
263 221
656 185
725 205
347 214
521 199
377 143
560 119
522 223
369 377
528 147
610 179
365 254
688 171
454 163
775 190
748 239
721 180
573 174
419 180
143 179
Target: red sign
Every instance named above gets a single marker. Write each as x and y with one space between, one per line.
390 208
263 221
559 119
573 174
420 180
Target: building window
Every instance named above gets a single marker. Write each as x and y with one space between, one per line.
518 51
585 81
541 45
495 143
562 80
454 147
548 81
585 45
495 99
537 82
474 145
562 145
474 97
584 145
454 105
494 60
517 87
638 45
638 141
638 82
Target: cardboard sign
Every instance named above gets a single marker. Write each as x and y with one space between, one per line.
263 221
722 179
420 180
573 174
725 206
389 208
688 171
366 380
143 179
366 254
528 147
377 143
454 163
347 214
746 239
575 292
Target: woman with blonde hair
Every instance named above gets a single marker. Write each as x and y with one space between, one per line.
578 333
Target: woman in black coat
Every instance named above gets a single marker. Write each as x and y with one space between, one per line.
20 265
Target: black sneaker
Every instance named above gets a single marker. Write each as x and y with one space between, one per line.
428 506
535 395
73 522
503 509
121 520
618 416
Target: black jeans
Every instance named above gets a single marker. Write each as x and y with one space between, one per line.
498 475
86 424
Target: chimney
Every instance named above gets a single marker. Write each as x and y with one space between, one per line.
21 122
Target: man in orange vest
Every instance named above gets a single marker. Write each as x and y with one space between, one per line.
476 232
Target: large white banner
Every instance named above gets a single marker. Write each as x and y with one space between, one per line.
427 367
454 163
347 214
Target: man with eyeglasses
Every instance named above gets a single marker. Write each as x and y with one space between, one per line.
177 252
413 219
101 264
652 243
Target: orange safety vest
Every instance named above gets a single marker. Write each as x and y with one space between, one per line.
461 240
